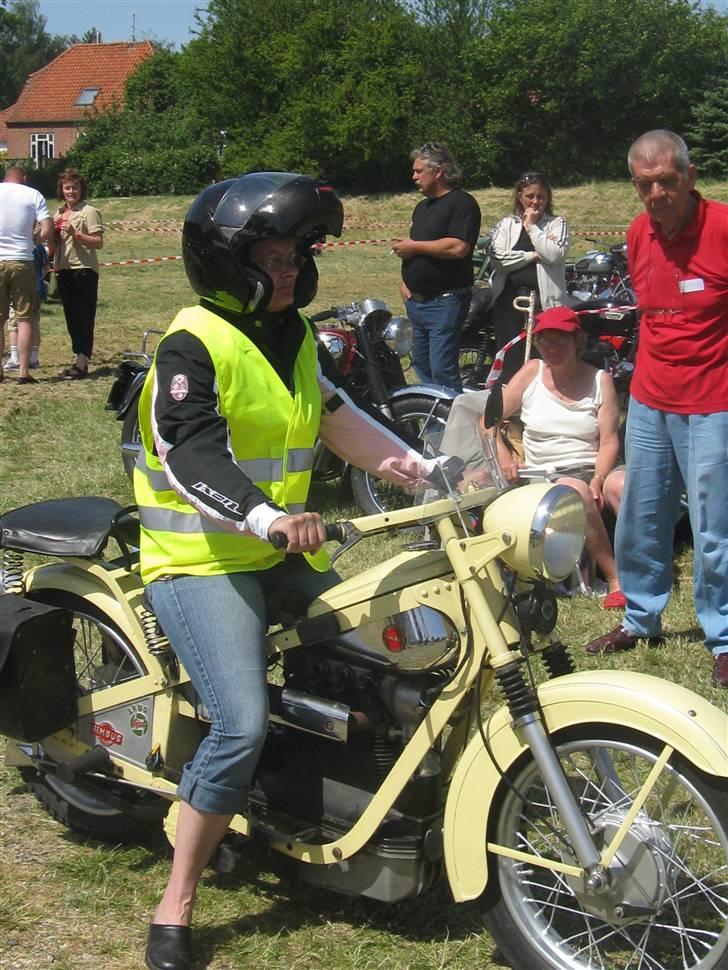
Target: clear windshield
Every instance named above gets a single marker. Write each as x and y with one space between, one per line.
465 438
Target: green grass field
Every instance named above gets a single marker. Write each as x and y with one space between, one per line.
69 904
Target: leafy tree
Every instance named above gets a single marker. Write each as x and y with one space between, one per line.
708 134
329 86
566 85
25 46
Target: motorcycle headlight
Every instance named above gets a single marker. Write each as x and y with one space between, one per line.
398 336
548 524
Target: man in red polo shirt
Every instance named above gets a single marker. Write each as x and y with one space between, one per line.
677 427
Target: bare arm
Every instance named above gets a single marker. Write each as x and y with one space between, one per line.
608 424
512 399
47 233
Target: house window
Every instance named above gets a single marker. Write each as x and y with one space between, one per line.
87 96
42 148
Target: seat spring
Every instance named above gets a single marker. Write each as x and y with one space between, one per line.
11 572
157 643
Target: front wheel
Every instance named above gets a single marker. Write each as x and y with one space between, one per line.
665 902
419 415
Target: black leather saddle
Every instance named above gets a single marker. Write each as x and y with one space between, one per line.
74 527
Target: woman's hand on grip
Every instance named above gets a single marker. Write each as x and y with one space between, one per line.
305 532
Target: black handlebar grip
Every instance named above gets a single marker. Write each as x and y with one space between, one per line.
334 530
323 315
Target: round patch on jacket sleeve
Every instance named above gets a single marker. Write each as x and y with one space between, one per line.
179 387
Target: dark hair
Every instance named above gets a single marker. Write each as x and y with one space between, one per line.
71 175
435 154
531 178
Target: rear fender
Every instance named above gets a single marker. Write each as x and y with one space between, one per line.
116 592
653 707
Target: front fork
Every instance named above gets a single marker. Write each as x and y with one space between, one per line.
523 706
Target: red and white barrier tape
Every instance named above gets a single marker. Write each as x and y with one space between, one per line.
138 262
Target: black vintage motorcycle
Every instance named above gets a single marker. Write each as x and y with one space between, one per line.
368 345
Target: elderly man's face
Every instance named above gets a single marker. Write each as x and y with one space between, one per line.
425 178
665 191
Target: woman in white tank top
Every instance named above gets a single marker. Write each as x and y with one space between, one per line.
570 414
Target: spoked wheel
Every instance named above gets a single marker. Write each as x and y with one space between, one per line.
420 416
665 905
103 658
475 365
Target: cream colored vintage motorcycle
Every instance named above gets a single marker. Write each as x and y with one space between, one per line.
408 737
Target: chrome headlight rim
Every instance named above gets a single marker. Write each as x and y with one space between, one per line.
398 336
541 542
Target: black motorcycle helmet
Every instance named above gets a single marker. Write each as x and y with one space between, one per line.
227 217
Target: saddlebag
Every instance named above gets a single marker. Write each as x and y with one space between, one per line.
37 672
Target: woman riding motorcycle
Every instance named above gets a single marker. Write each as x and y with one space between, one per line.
229 414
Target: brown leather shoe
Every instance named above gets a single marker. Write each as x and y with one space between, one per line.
720 670
619 640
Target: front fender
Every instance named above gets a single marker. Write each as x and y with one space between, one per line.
653 707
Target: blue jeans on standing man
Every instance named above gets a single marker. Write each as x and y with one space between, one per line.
216 626
437 325
665 453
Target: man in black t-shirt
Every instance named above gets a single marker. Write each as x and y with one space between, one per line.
437 268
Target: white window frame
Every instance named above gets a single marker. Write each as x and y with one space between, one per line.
36 140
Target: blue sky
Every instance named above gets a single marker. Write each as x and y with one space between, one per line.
163 20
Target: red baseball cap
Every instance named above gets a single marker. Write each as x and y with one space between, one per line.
557 318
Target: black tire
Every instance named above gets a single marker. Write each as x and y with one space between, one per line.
130 439
667 898
104 658
419 415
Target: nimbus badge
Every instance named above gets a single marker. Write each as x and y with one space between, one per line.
107 734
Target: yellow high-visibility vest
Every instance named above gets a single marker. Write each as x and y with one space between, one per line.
272 435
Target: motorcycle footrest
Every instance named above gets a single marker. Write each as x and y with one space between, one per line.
270 834
95 759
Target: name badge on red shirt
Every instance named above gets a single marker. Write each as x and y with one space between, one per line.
691 286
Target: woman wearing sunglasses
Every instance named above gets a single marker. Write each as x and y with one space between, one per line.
528 250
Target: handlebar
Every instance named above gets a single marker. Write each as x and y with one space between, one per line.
331 314
334 531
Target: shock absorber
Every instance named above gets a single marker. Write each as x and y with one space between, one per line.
11 572
557 659
519 695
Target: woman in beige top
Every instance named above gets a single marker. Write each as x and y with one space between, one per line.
79 234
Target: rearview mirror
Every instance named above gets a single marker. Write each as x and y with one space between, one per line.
493 406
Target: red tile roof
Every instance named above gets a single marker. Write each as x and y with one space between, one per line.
51 93
3 127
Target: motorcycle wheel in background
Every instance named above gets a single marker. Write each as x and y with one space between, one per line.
420 416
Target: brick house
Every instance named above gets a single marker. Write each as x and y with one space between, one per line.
48 116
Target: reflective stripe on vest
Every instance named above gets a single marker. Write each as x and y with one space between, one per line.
257 469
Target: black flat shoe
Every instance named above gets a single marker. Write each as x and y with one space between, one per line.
169 947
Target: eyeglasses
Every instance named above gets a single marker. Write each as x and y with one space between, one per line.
668 183
279 264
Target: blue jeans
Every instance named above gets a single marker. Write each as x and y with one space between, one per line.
436 339
666 452
217 627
